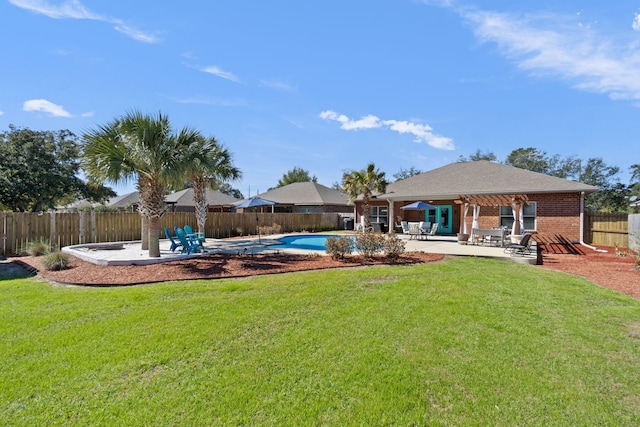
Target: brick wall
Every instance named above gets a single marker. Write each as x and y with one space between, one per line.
557 214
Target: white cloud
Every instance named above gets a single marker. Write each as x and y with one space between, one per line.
636 22
87 114
562 46
421 132
73 9
1 113
46 107
279 85
217 71
367 122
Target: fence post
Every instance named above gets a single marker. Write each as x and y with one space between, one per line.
52 227
94 231
82 238
634 232
4 233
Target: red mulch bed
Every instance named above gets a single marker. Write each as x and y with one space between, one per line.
208 267
607 269
603 268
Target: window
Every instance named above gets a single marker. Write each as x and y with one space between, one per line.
380 214
506 216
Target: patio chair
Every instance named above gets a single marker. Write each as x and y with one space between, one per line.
197 238
523 248
414 230
188 246
405 227
426 232
174 244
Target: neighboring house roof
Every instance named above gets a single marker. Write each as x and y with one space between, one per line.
306 194
124 201
479 178
214 198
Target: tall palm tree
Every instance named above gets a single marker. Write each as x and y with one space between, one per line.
208 163
142 147
364 182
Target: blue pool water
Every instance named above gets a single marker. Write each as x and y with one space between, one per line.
315 242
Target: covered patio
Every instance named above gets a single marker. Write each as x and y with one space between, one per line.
517 202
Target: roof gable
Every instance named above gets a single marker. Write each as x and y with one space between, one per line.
479 177
214 198
306 193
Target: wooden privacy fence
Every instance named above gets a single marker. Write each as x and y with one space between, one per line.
634 232
64 229
606 229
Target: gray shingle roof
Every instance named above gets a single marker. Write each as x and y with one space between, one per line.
306 194
479 177
124 200
214 198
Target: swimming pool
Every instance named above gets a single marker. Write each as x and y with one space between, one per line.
315 242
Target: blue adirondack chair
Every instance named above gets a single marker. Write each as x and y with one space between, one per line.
188 246
174 244
194 237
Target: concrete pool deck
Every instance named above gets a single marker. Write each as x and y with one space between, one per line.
131 253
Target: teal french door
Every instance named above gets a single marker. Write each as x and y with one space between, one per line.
441 215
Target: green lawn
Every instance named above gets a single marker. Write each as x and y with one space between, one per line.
464 342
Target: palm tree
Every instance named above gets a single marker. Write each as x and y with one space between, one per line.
208 163
142 147
364 183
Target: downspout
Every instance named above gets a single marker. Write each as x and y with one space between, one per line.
582 242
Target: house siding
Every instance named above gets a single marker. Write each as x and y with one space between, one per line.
557 214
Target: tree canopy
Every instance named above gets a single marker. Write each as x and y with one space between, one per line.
479 155
40 169
364 182
406 173
296 175
146 148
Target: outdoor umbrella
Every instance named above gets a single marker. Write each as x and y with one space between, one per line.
418 206
254 202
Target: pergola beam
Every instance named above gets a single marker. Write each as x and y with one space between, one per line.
493 199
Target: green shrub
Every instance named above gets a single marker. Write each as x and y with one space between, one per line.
38 248
369 243
56 261
339 247
393 246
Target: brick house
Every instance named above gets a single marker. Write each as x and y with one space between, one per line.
308 197
548 206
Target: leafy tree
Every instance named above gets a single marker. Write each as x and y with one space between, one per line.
38 169
364 182
406 173
634 187
226 188
143 148
538 161
207 163
296 175
613 195
479 155
529 158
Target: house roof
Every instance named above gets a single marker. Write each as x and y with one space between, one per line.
185 198
306 194
124 200
478 178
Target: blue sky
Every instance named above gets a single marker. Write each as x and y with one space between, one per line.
331 86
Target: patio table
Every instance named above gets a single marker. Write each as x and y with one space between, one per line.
493 232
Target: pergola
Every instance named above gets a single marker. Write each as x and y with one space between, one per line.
516 201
